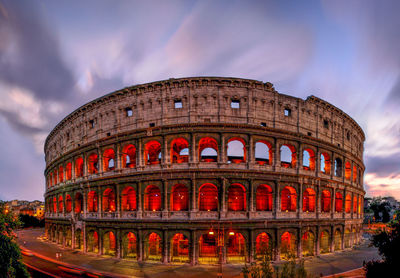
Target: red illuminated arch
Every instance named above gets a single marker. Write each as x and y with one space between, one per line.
109 244
288 245
79 167
54 204
55 180
128 199
325 163
179 150
309 200
236 155
179 247
237 197
129 245
290 150
354 173
108 200
264 198
308 159
51 179
93 163
354 204
152 198
347 203
347 170
78 203
208 144
154 246
288 199
262 244
93 241
61 174
326 201
129 156
68 171
92 201
307 243
263 152
179 197
108 160
236 246
68 203
208 245
338 202
208 197
152 152
60 204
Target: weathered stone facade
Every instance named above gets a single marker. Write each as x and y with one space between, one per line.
127 172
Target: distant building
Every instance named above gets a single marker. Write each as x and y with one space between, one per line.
34 208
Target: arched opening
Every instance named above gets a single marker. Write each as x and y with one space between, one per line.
325 163
179 248
347 171
236 150
338 240
68 203
309 200
360 204
324 242
338 202
264 198
79 239
79 167
263 245
208 149
152 198
108 160
152 152
68 238
109 244
288 156
55 177
92 201
60 204
354 204
325 201
236 197
347 238
347 203
236 249
78 203
108 200
208 248
55 204
129 156
153 247
263 153
93 163
50 179
60 236
307 244
338 167
179 150
68 171
208 197
61 174
288 245
179 198
92 242
288 199
354 173
308 159
128 199
129 246
354 235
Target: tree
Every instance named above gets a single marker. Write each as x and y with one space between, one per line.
388 244
10 255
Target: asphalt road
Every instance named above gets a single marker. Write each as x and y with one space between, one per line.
45 258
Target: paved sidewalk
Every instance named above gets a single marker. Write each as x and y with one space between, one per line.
327 264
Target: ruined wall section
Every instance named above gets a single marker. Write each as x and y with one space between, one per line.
204 100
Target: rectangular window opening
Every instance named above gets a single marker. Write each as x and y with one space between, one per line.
288 112
264 124
152 125
91 123
129 112
326 124
178 104
235 104
309 133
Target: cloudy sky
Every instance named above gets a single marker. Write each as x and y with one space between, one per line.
56 56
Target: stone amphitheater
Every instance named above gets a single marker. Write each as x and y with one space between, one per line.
205 170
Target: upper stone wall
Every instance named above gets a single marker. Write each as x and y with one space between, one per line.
204 99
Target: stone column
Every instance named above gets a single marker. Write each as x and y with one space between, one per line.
252 201
100 161
251 245
300 199
251 152
194 196
332 239
140 155
277 200
165 195
85 164
223 195
165 153
333 199
318 241
277 245
84 202
100 241
222 154
73 236
193 154
139 198
193 251
100 202
165 247
118 203
140 245
84 237
118 161
118 239
299 243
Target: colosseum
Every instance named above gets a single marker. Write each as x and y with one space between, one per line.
205 170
